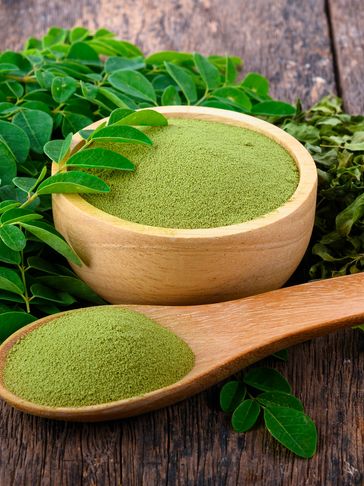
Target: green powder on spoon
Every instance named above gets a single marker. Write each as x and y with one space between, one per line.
199 174
95 356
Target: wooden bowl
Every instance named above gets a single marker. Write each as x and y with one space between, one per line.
127 262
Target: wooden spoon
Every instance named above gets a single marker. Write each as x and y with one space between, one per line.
225 337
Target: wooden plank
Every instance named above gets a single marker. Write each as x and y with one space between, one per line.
347 22
288 43
192 442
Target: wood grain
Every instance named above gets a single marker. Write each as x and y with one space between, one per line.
192 443
347 21
289 43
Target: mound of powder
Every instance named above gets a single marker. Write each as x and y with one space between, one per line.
199 174
95 356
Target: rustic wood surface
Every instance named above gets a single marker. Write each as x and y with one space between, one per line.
307 49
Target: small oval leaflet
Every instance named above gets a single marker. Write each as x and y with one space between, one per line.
99 158
245 415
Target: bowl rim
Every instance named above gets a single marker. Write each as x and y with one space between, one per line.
302 158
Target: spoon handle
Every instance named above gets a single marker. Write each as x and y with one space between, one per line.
259 325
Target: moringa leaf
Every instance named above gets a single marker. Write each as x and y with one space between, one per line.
58 149
13 237
171 96
72 183
150 118
245 415
15 139
63 88
72 286
256 83
120 134
273 108
209 73
119 63
184 81
11 281
133 84
9 256
12 321
279 399
99 158
266 379
37 125
293 429
46 233
231 394
17 215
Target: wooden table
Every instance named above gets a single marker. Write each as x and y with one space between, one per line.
307 49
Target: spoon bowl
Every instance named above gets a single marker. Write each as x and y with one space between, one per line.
224 337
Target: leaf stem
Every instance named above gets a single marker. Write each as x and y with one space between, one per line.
22 270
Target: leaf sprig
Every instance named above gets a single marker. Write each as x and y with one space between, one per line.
264 391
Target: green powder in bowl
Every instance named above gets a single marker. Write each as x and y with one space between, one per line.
199 174
95 356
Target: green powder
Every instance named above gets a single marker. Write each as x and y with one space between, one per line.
199 174
95 356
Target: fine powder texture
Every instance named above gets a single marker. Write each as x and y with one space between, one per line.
199 174
95 356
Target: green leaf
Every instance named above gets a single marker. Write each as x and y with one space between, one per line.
293 429
82 51
209 73
73 122
17 215
11 322
134 84
52 238
230 71
72 183
170 96
245 416
11 57
234 95
279 399
73 286
11 281
26 184
169 56
120 134
11 297
273 108
119 64
43 292
16 140
150 118
37 125
8 204
256 83
99 158
118 114
63 88
42 265
58 149
13 237
6 68
184 81
350 215
9 256
7 164
266 379
78 34
231 394
113 96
